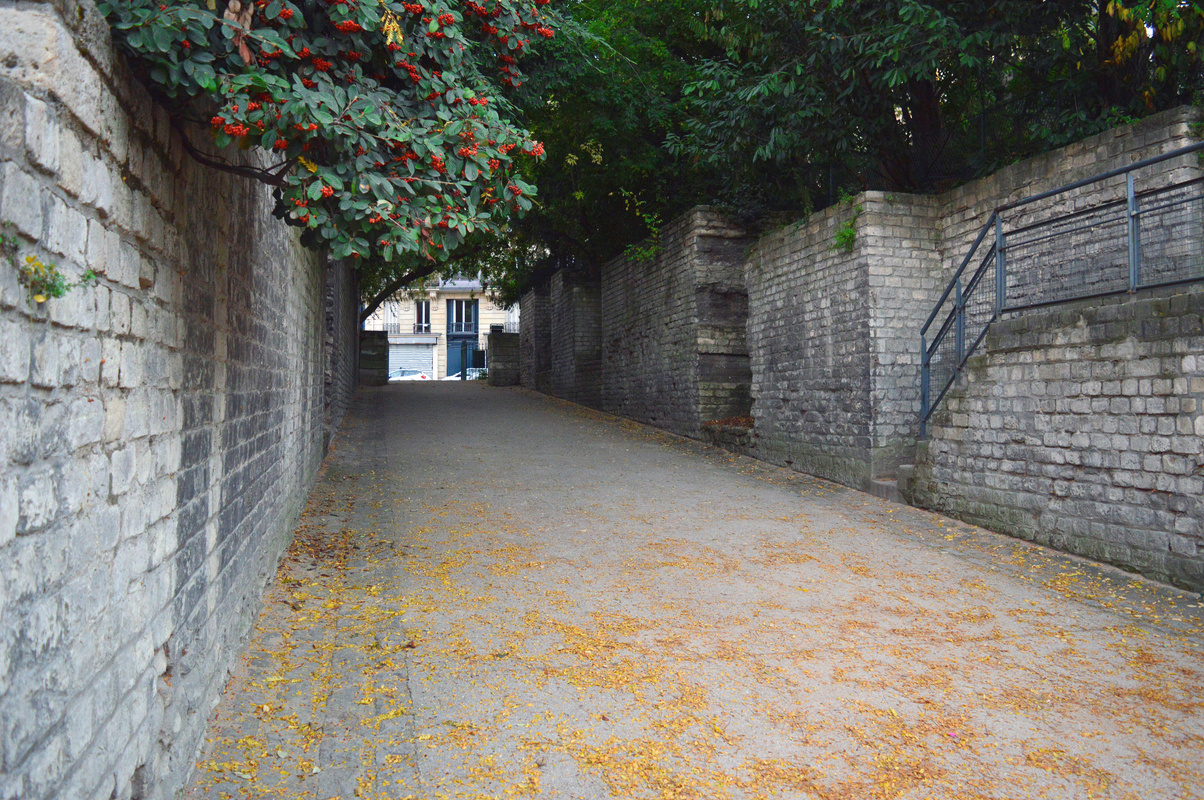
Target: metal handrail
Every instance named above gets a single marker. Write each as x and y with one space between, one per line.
962 291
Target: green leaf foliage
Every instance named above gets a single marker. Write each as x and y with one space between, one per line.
390 122
813 96
604 96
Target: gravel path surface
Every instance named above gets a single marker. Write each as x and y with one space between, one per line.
494 594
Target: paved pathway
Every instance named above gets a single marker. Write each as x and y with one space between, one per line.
497 595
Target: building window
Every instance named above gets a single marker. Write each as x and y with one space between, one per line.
422 322
462 317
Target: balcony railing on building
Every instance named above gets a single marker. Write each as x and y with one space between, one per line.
395 328
462 327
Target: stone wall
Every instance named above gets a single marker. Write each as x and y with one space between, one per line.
373 359
673 344
342 363
717 251
833 337
158 431
659 339
535 347
1086 252
574 329
1082 427
503 358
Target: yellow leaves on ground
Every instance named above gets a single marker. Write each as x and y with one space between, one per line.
471 654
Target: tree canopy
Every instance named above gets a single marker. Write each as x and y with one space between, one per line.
811 96
412 135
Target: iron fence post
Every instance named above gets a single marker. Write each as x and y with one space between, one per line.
1134 236
1001 274
960 324
463 360
923 386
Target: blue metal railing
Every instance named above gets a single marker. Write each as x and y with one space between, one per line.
1043 253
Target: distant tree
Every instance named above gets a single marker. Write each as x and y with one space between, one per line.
604 97
811 96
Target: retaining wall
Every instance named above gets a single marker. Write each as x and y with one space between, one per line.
574 332
674 353
832 337
158 431
342 354
1082 427
503 359
535 347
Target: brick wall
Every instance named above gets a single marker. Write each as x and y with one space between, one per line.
158 431
1082 427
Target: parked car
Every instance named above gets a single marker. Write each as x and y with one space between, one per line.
408 375
474 373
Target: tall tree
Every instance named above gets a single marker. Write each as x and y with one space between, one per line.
815 95
604 96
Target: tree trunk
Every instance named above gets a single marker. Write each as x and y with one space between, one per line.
395 287
926 127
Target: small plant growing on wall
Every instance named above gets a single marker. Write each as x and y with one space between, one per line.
846 232
651 247
42 278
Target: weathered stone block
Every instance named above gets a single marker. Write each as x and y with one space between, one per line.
41 134
22 201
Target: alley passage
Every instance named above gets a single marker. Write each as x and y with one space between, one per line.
498 595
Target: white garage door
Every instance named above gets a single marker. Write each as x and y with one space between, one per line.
412 356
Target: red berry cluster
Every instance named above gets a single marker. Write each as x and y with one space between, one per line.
378 42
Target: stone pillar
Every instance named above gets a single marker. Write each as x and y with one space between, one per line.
575 342
504 359
535 351
374 358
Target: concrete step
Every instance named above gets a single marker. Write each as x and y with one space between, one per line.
887 489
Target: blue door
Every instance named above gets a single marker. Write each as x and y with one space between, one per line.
453 354
461 328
